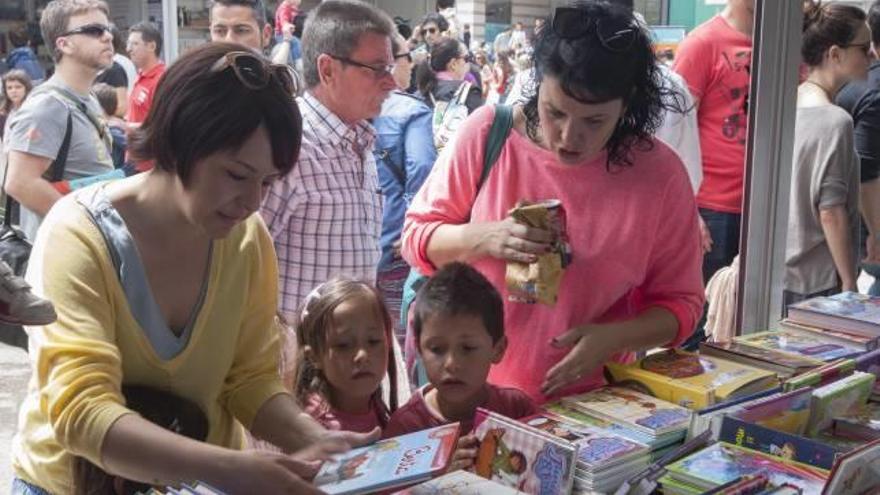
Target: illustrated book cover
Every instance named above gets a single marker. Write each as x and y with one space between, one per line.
390 463
838 399
634 409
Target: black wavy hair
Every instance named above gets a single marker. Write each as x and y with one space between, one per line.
591 73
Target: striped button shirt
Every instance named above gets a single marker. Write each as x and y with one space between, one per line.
326 214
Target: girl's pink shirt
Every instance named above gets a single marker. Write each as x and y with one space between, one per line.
633 232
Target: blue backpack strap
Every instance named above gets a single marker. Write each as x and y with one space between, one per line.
501 126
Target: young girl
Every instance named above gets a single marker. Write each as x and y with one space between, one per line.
344 336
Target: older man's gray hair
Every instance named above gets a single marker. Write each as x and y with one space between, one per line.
334 27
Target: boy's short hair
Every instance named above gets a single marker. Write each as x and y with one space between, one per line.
57 14
106 96
459 289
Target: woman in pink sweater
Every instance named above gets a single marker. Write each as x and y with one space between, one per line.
634 281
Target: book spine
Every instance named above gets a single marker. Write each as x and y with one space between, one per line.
778 443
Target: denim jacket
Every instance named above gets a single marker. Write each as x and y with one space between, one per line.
405 153
24 58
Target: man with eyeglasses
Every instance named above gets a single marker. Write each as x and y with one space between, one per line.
326 215
62 116
144 47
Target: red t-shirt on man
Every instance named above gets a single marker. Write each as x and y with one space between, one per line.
715 61
141 98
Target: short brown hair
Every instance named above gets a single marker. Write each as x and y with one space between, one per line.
57 14
197 112
107 97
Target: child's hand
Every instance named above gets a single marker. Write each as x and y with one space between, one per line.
465 453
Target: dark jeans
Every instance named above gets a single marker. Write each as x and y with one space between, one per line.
724 229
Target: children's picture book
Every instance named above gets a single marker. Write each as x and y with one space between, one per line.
634 409
861 423
783 364
722 462
390 463
459 483
838 399
808 346
863 342
522 457
589 421
689 379
597 449
856 472
847 312
774 442
788 412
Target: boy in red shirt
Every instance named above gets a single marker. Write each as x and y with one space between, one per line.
458 322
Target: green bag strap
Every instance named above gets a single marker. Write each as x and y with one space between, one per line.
501 126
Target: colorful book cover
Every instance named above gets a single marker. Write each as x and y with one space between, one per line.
634 409
863 342
723 462
856 472
808 346
847 311
459 483
597 449
769 359
822 375
521 457
588 421
788 412
781 444
838 399
390 463
691 380
864 422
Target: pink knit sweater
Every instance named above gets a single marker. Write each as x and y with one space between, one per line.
633 232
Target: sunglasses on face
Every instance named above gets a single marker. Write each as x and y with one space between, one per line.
255 73
94 30
863 47
571 23
407 56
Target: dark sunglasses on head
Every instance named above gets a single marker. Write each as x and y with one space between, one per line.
95 30
254 72
572 23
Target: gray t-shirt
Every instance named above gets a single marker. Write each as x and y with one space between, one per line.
825 173
38 129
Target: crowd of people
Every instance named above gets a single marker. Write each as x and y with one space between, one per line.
296 236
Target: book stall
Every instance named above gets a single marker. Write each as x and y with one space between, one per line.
792 411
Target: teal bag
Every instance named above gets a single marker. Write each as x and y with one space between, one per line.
501 126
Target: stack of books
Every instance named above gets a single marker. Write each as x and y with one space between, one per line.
847 313
522 457
722 463
604 460
863 342
838 399
664 423
784 352
657 446
862 423
459 483
691 380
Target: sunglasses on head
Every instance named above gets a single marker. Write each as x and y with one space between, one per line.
94 30
256 73
571 23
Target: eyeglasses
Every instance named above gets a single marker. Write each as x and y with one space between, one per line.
255 72
379 73
863 47
408 56
572 23
95 30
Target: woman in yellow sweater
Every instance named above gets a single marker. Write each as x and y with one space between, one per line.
168 280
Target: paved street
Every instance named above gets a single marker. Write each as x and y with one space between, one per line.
14 374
